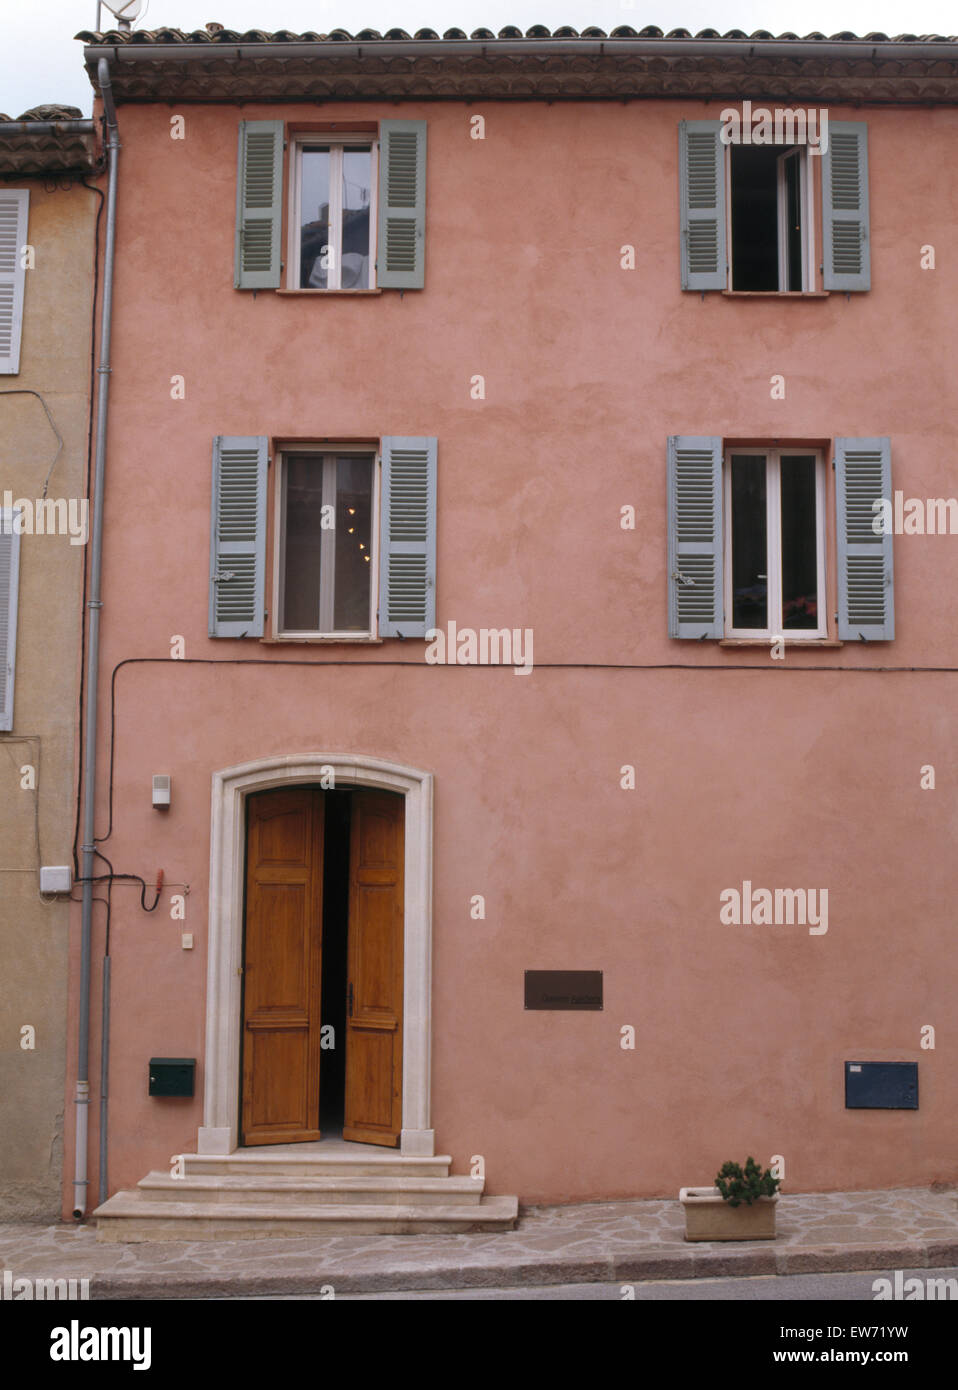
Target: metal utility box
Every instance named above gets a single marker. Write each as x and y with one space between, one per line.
881 1085
172 1076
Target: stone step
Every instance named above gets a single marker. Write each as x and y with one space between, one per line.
334 1164
283 1189
130 1217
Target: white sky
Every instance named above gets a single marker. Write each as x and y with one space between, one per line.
41 63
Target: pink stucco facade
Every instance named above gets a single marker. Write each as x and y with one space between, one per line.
797 772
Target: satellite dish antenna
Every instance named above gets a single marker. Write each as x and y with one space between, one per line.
125 11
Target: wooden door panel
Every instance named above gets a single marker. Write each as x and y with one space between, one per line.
283 967
373 1112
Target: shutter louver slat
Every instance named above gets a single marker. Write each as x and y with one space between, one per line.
238 544
845 217
258 205
14 206
702 204
696 601
407 597
865 574
402 205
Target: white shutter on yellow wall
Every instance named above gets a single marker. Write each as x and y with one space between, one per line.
9 584
14 206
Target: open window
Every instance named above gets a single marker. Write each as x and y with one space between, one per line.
771 234
747 211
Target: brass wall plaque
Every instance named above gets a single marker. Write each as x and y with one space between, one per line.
564 989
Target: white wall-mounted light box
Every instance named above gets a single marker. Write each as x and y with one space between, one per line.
56 878
162 789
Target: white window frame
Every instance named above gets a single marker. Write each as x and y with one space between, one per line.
336 143
773 532
807 197
328 451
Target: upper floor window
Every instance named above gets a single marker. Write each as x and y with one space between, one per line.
771 235
333 246
747 211
356 214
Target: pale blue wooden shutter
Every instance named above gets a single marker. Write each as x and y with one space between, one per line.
14 206
866 607
696 603
259 213
9 585
401 239
846 257
407 550
238 536
702 206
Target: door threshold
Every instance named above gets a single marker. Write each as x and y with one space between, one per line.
333 1145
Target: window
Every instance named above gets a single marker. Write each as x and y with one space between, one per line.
14 206
774 543
354 539
361 197
747 541
9 586
771 243
334 215
325 556
747 212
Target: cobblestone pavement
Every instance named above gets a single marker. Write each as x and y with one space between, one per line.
905 1228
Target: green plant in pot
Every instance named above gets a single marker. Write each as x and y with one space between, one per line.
741 1205
748 1184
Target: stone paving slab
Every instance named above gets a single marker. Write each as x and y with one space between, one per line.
591 1242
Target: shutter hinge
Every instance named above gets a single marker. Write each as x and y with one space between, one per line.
833 463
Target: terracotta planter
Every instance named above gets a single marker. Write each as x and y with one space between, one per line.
709 1217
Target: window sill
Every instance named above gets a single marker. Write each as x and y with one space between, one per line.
792 642
777 294
329 293
322 641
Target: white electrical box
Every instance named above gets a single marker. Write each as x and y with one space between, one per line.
162 786
56 878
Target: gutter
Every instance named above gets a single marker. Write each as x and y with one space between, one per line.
47 128
82 1097
891 51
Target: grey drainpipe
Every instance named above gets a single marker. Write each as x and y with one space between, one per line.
92 665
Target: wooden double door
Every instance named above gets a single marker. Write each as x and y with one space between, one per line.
292 865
